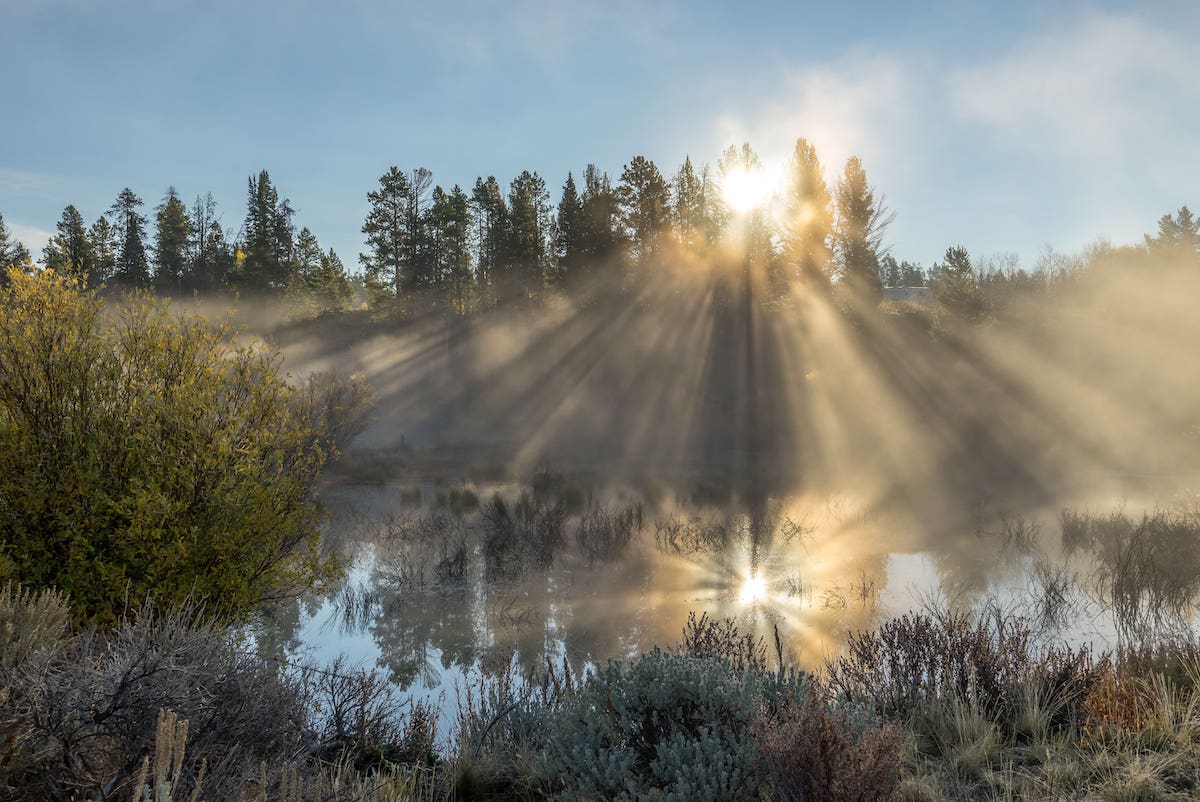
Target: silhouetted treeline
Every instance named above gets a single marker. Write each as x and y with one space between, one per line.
458 251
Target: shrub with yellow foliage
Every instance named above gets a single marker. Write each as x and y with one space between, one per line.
148 452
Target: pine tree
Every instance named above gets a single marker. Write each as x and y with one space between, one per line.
12 252
308 256
491 223
451 225
690 207
133 267
69 251
601 241
1180 233
861 222
808 217
645 202
956 285
395 229
912 275
105 244
268 235
330 284
172 232
530 235
570 222
204 249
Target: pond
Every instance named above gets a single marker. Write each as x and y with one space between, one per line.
451 580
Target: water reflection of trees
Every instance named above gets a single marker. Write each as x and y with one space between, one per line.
586 604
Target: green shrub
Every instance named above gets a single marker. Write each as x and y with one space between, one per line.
146 451
663 726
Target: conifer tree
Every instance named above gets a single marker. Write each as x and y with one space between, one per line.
491 224
530 235
395 230
308 255
133 267
808 217
69 251
1180 233
861 222
452 225
330 284
645 202
691 208
570 222
268 235
105 246
957 286
172 232
601 242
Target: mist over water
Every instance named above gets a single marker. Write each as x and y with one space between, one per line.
804 467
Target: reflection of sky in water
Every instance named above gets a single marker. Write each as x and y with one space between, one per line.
808 570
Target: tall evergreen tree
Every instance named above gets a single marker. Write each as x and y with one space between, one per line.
329 283
567 234
491 224
267 236
172 232
69 251
384 227
417 220
395 263
104 241
690 206
308 256
601 242
12 252
808 217
861 222
452 225
221 259
530 234
645 201
957 286
133 268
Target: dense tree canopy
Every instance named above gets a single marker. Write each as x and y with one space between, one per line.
432 250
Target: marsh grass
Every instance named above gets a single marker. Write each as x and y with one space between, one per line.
604 534
978 704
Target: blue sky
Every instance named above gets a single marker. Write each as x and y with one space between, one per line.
1000 126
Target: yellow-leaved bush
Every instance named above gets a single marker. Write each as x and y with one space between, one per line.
147 452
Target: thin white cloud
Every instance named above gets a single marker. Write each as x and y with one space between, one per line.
840 108
32 237
1107 87
26 182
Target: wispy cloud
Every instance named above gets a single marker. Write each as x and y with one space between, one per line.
841 108
14 182
31 237
1108 86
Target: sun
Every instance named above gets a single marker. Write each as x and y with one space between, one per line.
746 189
753 590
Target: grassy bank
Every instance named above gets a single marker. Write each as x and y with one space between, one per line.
168 706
